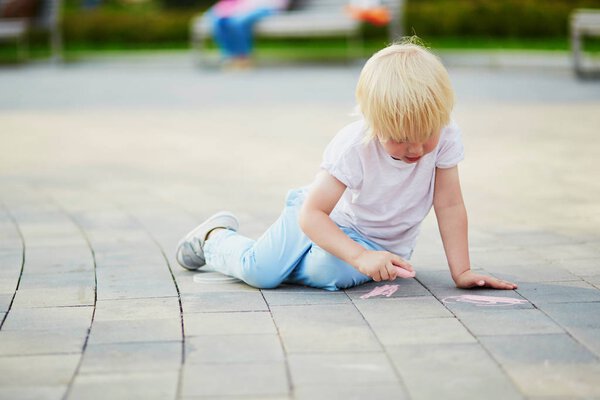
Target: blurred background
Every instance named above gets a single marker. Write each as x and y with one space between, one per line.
87 28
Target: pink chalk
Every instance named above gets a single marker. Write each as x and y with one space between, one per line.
402 273
385 290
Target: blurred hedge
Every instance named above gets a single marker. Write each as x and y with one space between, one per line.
426 18
114 26
492 18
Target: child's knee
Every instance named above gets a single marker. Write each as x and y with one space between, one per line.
260 275
325 271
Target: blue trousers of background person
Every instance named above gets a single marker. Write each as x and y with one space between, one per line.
283 254
234 34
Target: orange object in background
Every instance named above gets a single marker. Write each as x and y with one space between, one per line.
378 16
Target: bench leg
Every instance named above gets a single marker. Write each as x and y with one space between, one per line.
577 53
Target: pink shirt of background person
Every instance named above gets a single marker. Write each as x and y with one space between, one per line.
228 8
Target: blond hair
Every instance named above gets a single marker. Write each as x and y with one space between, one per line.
404 93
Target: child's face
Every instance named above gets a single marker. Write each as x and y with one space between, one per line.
410 152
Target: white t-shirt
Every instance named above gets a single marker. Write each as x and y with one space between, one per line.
386 199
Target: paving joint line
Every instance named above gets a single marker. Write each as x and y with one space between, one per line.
387 355
166 259
22 238
485 349
89 330
288 371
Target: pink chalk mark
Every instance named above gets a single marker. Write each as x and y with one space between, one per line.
484 300
385 290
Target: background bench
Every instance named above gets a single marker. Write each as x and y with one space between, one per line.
47 19
584 22
317 18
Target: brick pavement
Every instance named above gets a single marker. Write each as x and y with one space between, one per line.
104 166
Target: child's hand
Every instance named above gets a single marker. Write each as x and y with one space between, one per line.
468 280
383 265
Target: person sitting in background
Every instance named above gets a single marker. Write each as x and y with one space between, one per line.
232 22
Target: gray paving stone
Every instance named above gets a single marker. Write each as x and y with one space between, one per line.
141 287
341 368
293 298
538 238
509 322
5 300
224 301
568 252
49 280
350 391
563 292
244 348
435 278
590 338
77 319
338 327
593 280
126 331
399 331
121 256
549 349
55 297
248 379
580 266
41 342
574 315
131 357
143 385
10 260
242 397
379 310
230 323
571 381
58 260
137 309
38 370
33 393
500 257
460 371
533 273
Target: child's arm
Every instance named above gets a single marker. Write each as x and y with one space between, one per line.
316 224
452 221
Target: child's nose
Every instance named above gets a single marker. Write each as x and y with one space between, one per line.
415 149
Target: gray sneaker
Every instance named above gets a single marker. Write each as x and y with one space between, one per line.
190 252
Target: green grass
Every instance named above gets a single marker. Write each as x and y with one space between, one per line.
300 49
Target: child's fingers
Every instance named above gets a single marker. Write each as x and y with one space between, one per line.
494 283
383 272
391 271
399 262
500 284
402 273
376 276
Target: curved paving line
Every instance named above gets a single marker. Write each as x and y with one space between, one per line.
22 239
87 336
153 238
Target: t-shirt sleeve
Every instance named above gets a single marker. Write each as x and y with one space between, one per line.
342 160
451 150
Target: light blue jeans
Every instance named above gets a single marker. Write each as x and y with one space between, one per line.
284 254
